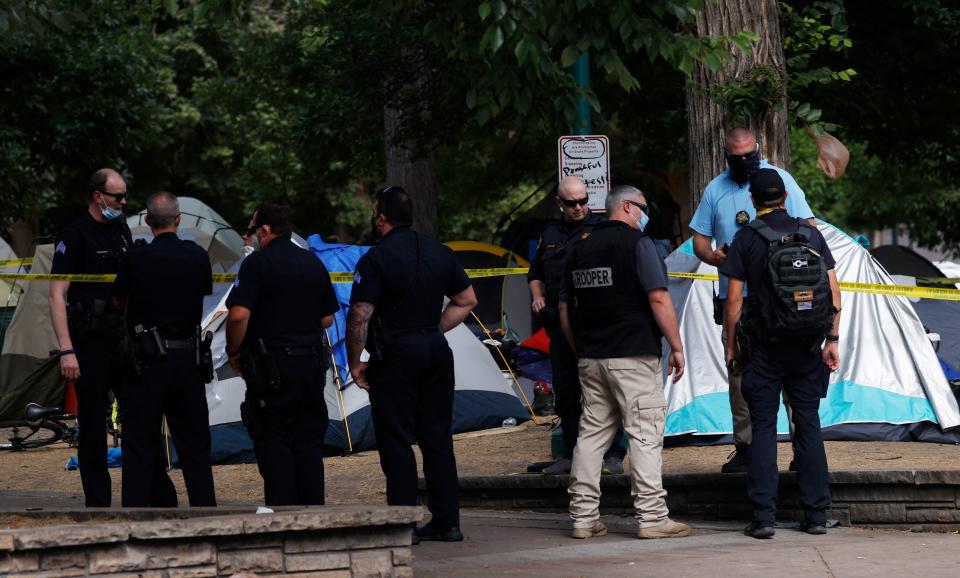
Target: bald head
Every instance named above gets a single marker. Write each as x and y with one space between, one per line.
163 211
740 141
571 192
105 180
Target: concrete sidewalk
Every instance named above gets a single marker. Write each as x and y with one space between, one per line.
524 544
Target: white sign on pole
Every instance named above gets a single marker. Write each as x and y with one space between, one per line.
587 156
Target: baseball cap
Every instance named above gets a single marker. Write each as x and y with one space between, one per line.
766 185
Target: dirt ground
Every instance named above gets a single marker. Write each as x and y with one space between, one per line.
357 478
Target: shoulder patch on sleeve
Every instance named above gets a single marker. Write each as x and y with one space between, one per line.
357 277
62 248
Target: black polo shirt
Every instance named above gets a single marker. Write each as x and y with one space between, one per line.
387 278
87 246
747 258
288 292
552 249
164 284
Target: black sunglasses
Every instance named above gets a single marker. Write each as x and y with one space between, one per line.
116 196
247 231
641 206
574 202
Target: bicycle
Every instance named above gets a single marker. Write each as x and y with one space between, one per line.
42 426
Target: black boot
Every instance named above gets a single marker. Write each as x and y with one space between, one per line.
739 460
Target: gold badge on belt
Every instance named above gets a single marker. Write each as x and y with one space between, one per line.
742 218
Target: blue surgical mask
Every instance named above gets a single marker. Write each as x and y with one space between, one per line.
109 213
642 221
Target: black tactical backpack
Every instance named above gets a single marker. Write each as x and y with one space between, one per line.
794 298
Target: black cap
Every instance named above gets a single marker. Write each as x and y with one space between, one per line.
766 185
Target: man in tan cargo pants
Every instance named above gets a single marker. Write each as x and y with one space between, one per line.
614 309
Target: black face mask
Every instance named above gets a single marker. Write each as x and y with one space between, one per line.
742 167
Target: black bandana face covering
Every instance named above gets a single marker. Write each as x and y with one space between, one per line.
742 167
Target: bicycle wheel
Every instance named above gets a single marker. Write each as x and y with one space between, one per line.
20 435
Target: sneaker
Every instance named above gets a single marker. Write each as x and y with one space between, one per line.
612 466
668 529
595 532
812 528
559 467
537 467
739 460
759 530
438 534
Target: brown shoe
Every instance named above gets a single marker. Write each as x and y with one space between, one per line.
668 529
582 533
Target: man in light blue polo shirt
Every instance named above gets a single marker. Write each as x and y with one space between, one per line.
724 209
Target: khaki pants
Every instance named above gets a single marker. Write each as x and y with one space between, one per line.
614 389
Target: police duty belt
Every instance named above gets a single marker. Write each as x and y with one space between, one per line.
948 294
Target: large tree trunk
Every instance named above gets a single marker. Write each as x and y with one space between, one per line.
707 121
409 158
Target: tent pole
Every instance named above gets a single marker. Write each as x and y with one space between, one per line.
166 438
510 369
339 383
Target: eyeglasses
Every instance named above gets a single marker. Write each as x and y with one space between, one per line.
118 197
640 206
250 230
574 202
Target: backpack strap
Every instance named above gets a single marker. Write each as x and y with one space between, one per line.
765 231
804 230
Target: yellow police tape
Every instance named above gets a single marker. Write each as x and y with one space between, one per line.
347 277
17 262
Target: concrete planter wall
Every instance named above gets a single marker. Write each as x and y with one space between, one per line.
329 541
918 500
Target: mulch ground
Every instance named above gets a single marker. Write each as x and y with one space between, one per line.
356 478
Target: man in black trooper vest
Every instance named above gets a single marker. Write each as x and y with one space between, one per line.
614 309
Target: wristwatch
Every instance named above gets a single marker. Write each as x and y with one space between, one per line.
832 338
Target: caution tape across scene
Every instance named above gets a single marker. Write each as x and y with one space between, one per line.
347 277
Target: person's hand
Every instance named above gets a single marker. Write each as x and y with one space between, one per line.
675 365
359 373
718 256
538 304
69 366
732 358
831 355
234 361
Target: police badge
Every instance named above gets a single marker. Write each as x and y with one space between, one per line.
742 218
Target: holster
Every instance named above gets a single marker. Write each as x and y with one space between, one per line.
377 339
93 316
205 356
260 371
744 343
130 358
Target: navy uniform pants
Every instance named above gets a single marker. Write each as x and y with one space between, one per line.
101 371
567 392
411 400
172 387
797 368
288 427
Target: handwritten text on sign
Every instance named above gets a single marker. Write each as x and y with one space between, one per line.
587 156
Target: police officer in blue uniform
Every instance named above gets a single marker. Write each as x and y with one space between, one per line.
162 285
397 314
87 325
546 279
794 363
279 306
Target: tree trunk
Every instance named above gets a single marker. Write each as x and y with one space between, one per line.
707 121
409 158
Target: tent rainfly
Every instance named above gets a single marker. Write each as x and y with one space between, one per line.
890 385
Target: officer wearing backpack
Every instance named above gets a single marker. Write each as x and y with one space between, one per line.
787 338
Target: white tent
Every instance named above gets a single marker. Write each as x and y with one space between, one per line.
483 396
202 225
890 384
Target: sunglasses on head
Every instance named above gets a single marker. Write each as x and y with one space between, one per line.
116 196
574 202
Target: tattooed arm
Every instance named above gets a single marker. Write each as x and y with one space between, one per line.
358 324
